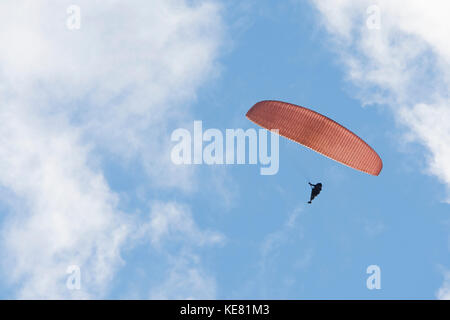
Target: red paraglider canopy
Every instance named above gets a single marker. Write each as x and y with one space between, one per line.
318 133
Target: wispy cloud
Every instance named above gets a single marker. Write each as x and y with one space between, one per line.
273 248
69 100
185 279
444 291
64 214
175 222
290 231
405 64
171 225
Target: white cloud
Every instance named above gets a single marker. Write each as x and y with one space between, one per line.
444 292
405 64
272 243
172 224
65 214
175 222
128 69
431 126
70 97
276 246
186 280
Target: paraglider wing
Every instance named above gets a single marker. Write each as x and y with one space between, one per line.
318 133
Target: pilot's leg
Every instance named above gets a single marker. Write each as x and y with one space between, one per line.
313 195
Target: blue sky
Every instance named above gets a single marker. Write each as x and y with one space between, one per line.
87 178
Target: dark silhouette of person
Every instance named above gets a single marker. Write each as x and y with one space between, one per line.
316 188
